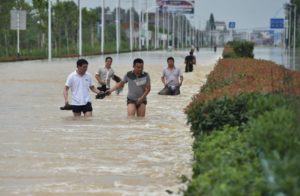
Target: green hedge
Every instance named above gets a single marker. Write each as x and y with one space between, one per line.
234 111
246 145
240 49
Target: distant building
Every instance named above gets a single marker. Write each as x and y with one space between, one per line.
216 36
242 36
220 26
262 37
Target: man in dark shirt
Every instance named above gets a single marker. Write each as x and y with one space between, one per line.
189 61
138 88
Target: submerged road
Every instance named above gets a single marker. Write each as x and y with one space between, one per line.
45 151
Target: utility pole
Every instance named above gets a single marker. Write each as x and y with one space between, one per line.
168 29
131 24
290 16
18 28
102 26
295 26
118 26
156 28
163 27
80 29
49 31
140 27
173 30
147 25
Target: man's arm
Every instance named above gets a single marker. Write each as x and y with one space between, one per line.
163 80
94 89
194 60
116 78
181 80
146 92
117 86
65 92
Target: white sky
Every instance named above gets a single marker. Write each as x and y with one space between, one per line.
247 14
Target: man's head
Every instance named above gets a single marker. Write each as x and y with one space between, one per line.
82 66
108 62
170 61
138 66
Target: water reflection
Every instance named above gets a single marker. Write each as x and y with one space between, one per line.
279 55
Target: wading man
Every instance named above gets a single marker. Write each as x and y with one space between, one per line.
171 78
138 88
80 82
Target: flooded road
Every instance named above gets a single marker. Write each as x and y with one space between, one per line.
44 151
280 56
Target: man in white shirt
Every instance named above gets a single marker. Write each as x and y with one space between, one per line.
80 82
172 79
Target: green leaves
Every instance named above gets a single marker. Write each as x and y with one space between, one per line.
239 49
246 145
205 117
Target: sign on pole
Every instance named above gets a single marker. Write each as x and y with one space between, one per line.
18 20
231 25
277 23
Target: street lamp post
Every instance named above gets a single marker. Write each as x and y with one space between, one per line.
49 31
140 26
156 44
80 29
147 26
131 28
102 26
173 30
146 22
163 28
295 26
118 26
168 29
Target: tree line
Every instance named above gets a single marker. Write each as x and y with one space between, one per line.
65 31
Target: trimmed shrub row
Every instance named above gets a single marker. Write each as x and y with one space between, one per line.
256 154
238 49
247 135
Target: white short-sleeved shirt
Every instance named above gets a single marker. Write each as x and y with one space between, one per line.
80 88
171 75
106 74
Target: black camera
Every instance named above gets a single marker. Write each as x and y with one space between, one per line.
66 107
101 95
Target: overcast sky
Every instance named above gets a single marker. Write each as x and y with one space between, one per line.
247 14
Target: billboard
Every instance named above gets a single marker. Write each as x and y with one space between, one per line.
176 6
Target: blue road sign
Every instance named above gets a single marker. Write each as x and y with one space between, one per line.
231 25
277 23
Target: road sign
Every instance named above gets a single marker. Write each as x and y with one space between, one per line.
277 23
231 25
176 6
17 19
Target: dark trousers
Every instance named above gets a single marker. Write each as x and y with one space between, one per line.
169 91
189 67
